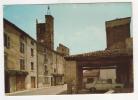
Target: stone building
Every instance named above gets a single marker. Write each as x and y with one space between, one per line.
50 67
51 63
30 63
118 56
63 50
20 55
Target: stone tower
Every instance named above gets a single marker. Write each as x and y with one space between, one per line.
117 31
45 31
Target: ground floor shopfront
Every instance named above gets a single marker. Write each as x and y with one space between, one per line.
50 80
18 81
58 79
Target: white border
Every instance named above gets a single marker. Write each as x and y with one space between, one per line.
57 1
131 96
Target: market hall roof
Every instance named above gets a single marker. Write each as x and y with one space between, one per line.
101 54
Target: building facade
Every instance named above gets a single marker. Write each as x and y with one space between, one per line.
63 50
31 63
20 59
51 62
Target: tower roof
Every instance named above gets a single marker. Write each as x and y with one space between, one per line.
117 22
48 10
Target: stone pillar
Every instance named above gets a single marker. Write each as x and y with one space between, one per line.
79 77
122 73
118 76
130 73
71 74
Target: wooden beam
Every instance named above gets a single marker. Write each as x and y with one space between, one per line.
98 67
102 62
93 58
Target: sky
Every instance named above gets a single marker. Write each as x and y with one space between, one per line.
81 27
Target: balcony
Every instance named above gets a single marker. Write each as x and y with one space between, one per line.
16 72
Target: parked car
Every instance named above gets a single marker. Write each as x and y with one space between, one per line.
102 85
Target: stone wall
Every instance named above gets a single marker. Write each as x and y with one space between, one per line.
40 64
117 31
108 74
12 55
70 71
63 50
45 32
129 43
13 50
58 63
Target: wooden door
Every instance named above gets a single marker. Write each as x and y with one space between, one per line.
7 87
32 82
20 83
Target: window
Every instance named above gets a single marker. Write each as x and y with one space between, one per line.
46 71
21 47
6 41
54 70
32 52
45 68
60 79
32 66
22 64
33 82
5 60
32 42
22 37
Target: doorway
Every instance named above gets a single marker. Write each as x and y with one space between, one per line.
32 82
20 83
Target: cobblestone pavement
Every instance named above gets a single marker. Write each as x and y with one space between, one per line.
52 90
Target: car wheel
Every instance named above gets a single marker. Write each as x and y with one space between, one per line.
92 89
